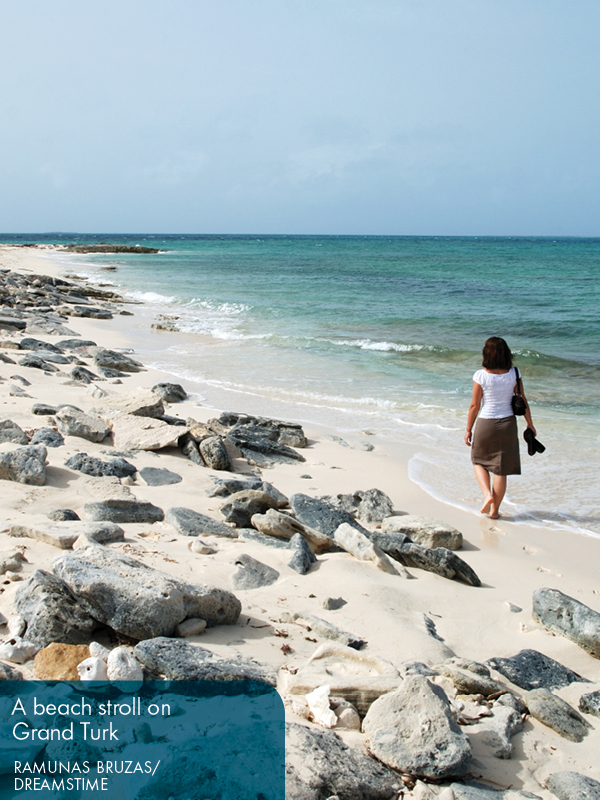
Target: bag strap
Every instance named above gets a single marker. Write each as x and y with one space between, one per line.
519 391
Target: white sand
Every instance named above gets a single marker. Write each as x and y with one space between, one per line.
475 623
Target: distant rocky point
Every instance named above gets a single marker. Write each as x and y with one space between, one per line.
109 248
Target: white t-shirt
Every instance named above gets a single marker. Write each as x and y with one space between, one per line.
497 393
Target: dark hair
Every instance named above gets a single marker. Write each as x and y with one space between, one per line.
496 354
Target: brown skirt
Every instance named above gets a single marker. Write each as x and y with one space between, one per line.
496 446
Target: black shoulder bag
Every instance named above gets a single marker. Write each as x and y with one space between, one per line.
519 406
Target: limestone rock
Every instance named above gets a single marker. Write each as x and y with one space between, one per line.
92 669
190 627
43 409
153 476
90 465
58 661
123 510
135 599
64 535
532 670
24 465
439 560
469 677
253 574
118 361
412 729
496 731
36 362
170 392
358 677
48 437
562 614
319 765
63 515
12 562
370 506
11 432
590 704
190 450
475 791
573 786
176 659
303 557
214 454
321 515
122 666
72 422
200 547
138 403
83 375
98 650
557 714
425 531
241 506
191 523
17 650
283 526
9 673
260 450
325 629
143 433
225 486
51 611
362 548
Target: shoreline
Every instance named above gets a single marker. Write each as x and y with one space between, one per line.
511 559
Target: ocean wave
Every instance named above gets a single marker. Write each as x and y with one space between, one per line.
152 297
386 347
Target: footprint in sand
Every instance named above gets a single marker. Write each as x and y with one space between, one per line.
529 550
549 571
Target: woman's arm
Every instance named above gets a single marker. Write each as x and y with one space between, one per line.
528 419
473 411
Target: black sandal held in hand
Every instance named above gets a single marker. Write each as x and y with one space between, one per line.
533 446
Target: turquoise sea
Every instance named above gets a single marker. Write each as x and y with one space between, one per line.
385 333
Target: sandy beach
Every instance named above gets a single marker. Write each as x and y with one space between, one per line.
423 618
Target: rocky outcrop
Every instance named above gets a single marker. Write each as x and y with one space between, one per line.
319 765
530 669
425 531
371 506
260 450
24 465
568 617
131 432
135 599
321 515
179 660
413 730
139 403
73 422
52 612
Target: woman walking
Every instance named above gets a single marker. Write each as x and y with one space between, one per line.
494 443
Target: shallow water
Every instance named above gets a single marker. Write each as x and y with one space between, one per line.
385 333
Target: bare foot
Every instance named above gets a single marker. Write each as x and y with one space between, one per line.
494 513
488 502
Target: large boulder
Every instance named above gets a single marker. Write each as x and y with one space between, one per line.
424 530
413 730
289 433
178 660
562 614
170 392
24 465
319 765
135 599
573 786
530 669
52 612
260 450
191 523
73 422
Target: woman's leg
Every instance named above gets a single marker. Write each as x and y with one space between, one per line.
498 492
483 479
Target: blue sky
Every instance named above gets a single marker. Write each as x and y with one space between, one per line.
465 117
